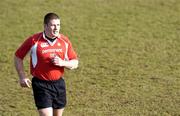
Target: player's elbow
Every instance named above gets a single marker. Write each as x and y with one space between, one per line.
75 64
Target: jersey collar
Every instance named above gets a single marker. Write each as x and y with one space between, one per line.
51 43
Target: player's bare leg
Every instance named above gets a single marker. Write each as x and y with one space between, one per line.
46 112
58 112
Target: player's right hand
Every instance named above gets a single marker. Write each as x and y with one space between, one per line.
25 82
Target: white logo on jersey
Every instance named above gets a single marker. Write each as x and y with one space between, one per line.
51 50
59 44
44 45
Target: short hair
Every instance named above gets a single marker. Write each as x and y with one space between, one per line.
50 16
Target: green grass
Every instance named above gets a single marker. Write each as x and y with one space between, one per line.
128 52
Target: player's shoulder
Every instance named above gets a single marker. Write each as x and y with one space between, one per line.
35 37
65 38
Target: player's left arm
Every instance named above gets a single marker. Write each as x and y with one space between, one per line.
70 64
71 59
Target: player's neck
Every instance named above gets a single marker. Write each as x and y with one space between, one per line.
49 38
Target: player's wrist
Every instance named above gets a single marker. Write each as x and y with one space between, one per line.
22 77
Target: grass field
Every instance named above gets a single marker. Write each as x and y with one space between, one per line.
129 52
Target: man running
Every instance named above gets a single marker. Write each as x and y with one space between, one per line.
50 52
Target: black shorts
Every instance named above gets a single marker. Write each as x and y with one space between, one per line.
49 93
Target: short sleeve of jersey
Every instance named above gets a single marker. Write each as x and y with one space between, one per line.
24 48
70 52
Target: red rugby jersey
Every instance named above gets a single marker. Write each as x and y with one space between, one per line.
41 53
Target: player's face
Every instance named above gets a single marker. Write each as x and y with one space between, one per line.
52 28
